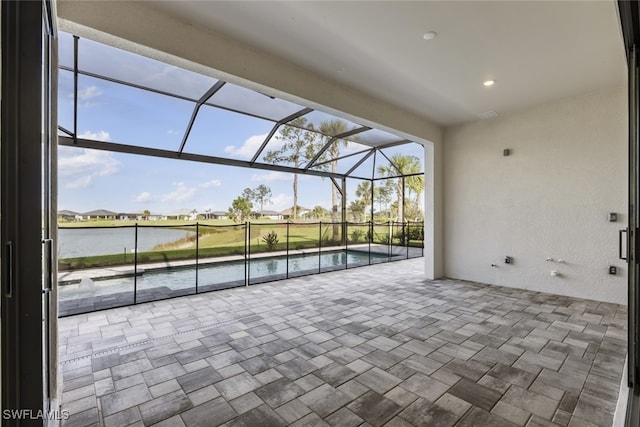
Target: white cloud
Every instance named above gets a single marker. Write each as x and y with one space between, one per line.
79 167
271 177
101 135
88 93
181 81
145 196
86 96
251 145
281 201
246 150
180 193
81 182
210 184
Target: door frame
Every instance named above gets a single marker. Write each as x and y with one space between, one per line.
26 28
629 14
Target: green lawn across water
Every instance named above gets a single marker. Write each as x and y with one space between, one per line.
219 238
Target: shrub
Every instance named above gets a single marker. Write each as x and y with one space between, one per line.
358 235
416 233
413 233
383 239
271 240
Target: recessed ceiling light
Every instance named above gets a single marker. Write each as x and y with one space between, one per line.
430 35
489 83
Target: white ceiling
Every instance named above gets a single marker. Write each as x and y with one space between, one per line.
536 51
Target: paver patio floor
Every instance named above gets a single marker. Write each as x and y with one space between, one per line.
372 346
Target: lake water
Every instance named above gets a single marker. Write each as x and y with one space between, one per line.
78 242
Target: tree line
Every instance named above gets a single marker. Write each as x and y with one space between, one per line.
242 206
301 142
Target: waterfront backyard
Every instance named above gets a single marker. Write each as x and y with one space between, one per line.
127 265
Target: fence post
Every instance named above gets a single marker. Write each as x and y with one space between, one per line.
287 249
135 266
197 250
247 253
390 241
319 245
345 236
370 238
406 237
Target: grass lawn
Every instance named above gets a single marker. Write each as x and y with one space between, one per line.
220 238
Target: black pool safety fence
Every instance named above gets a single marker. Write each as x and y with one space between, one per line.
106 267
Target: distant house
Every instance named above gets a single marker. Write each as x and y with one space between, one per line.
153 216
183 214
288 213
213 214
218 214
99 214
69 215
123 216
268 214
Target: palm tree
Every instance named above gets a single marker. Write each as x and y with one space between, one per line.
328 129
415 183
382 193
318 212
363 192
403 165
357 208
299 146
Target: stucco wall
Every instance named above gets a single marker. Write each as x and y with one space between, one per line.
549 198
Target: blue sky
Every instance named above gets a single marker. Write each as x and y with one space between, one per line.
94 179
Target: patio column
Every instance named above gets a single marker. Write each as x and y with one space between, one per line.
433 207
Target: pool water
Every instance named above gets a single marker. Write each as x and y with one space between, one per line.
260 270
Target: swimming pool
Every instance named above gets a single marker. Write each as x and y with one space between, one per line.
218 275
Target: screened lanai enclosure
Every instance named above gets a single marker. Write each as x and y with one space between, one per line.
373 210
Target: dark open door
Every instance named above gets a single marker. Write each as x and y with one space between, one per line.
630 22
27 146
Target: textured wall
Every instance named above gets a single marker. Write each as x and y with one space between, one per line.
549 198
